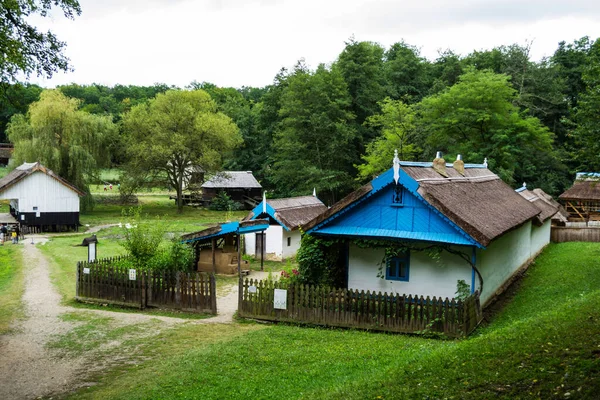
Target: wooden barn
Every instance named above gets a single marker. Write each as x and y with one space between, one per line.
6 150
40 199
285 216
240 186
582 200
422 227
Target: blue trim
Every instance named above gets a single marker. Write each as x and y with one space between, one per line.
473 262
228 228
405 259
258 211
411 185
519 190
430 164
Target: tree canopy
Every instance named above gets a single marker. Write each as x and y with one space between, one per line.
172 133
24 49
70 142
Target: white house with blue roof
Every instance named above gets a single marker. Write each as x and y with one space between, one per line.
421 227
282 239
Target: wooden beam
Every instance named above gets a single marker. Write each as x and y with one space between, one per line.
576 210
214 263
262 250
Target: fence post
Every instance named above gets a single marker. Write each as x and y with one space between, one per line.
77 279
143 297
213 294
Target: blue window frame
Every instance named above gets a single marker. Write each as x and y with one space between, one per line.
398 268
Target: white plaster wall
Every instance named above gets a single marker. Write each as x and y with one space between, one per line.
292 249
426 277
540 237
41 191
273 249
502 258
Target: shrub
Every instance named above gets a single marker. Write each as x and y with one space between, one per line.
141 238
222 202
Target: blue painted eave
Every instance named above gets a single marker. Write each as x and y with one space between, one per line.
258 213
355 231
229 228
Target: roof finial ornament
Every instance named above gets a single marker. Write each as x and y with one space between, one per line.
524 185
264 201
396 167
485 163
314 192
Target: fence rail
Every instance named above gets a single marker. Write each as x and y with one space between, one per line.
104 279
357 309
560 234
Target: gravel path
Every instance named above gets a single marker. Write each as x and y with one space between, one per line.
29 369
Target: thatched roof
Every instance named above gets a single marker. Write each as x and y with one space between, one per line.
561 215
292 212
6 152
26 169
585 187
546 207
232 179
478 201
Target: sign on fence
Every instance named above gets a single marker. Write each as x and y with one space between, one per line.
132 275
280 299
251 289
86 271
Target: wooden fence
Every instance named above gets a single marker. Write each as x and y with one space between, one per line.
560 234
357 309
105 280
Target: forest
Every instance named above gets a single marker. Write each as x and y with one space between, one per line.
336 126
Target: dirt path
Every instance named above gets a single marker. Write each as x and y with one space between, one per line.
29 369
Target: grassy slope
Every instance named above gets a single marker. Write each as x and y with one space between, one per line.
544 344
11 285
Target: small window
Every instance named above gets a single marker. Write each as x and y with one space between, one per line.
397 195
289 241
398 268
34 208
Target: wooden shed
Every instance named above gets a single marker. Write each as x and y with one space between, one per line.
41 199
240 186
582 200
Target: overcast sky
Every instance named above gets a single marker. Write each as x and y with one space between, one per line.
246 42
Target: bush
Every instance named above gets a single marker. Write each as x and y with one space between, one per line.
222 202
142 239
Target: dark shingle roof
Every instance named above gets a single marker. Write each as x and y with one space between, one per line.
232 179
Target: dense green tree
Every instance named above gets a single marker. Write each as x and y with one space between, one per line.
587 132
175 131
15 99
407 74
70 142
397 122
24 49
445 71
477 118
313 141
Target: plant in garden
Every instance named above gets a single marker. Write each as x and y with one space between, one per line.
290 275
141 238
463 290
222 202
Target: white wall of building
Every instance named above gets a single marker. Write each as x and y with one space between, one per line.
502 258
540 237
426 277
273 249
294 240
41 191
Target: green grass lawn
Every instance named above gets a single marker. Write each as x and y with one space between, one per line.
544 344
3 172
11 285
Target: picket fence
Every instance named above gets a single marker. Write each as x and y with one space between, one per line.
359 309
104 280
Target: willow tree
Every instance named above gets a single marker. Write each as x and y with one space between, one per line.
70 142
174 132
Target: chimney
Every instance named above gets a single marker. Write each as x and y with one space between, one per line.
439 164
459 165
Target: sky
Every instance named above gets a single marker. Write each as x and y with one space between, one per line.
235 43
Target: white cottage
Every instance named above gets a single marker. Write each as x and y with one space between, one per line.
282 238
40 198
421 227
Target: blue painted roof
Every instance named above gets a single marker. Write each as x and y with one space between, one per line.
395 234
374 215
225 229
258 213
